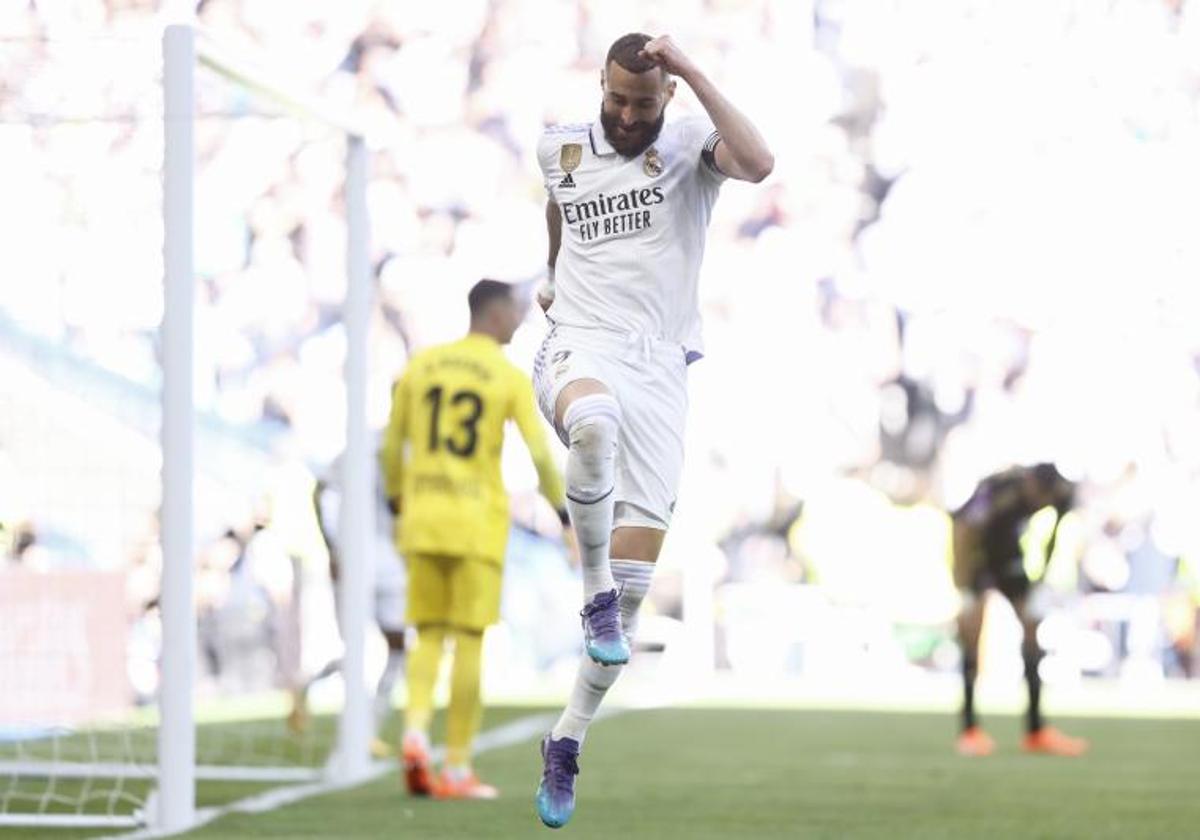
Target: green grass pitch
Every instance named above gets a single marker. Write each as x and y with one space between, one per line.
719 773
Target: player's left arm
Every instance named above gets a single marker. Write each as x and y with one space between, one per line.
1064 503
545 292
391 455
1062 510
965 549
550 482
741 153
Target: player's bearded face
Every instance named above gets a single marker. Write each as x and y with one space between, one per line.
630 139
633 108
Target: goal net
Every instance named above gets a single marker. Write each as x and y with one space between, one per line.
163 584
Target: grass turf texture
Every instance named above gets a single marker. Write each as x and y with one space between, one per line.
712 773
240 743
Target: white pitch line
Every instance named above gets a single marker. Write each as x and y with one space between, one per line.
122 770
505 735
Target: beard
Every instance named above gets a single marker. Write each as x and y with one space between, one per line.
639 138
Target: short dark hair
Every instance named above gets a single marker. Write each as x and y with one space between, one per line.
625 51
484 293
1048 477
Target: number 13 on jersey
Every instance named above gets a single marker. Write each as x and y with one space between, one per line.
461 435
441 451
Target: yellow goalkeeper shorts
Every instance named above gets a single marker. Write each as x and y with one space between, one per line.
455 591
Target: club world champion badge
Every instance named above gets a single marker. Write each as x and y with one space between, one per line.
653 164
569 157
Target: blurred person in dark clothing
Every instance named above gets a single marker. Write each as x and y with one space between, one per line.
987 533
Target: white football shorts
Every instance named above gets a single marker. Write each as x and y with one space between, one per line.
391 585
648 379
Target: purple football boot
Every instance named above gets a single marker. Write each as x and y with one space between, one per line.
603 639
556 792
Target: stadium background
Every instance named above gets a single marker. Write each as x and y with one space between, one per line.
979 247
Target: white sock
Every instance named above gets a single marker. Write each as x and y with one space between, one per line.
591 684
383 691
633 577
592 425
457 772
593 680
421 738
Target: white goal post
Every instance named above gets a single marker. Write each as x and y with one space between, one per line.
183 47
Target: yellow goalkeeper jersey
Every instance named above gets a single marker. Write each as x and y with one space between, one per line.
441 451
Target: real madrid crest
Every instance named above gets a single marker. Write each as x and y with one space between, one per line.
569 157
653 164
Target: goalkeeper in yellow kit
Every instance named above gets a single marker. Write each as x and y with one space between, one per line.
441 462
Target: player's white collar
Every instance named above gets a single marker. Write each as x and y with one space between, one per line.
600 144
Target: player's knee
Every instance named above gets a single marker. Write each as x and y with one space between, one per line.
592 423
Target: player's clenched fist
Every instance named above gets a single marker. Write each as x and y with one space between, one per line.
666 54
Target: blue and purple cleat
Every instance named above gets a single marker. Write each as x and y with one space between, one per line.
603 639
556 792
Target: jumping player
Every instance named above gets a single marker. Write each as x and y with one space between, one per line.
630 197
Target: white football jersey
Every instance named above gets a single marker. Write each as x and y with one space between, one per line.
633 229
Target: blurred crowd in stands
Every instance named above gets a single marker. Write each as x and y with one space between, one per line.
979 248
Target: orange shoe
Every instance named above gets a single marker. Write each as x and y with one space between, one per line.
975 743
1050 741
455 786
414 755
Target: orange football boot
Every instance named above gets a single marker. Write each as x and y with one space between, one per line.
1050 741
414 755
976 743
455 786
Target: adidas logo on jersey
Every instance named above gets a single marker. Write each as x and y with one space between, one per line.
567 183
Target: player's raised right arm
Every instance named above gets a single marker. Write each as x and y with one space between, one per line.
742 153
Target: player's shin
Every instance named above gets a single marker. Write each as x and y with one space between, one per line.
1032 654
422 675
970 668
392 669
466 707
592 423
594 680
633 579
423 665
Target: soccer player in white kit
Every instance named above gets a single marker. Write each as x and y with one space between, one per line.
388 587
630 197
